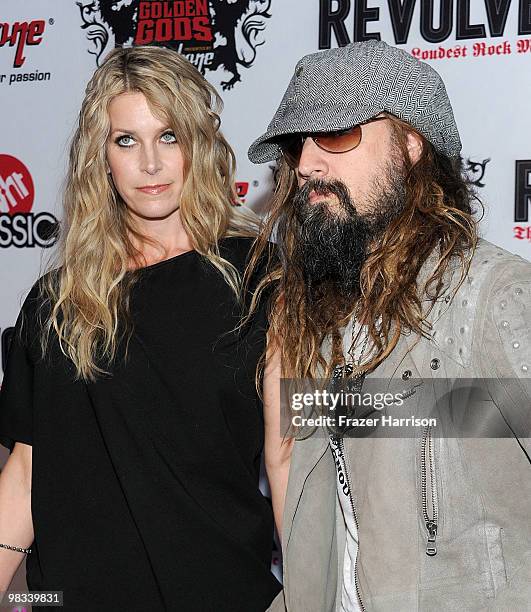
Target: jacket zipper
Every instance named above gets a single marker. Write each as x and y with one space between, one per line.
427 466
339 441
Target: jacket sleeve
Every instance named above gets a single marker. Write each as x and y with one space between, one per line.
506 347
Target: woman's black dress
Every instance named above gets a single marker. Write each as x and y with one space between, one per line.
145 483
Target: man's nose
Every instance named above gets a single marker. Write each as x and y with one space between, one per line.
312 163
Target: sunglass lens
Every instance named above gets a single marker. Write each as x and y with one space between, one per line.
340 142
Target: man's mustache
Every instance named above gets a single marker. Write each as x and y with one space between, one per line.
326 188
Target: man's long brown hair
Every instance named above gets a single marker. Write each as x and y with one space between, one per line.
437 219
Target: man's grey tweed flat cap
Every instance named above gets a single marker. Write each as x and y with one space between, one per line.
338 88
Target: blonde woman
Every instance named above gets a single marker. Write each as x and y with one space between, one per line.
129 400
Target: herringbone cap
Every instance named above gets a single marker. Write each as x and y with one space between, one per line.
338 88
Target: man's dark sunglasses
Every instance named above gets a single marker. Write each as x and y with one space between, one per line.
341 141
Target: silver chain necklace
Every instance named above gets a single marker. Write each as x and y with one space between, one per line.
346 370
344 378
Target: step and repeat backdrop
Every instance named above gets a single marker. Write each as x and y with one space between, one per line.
248 49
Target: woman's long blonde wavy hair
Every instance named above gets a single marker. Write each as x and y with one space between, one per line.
438 214
88 288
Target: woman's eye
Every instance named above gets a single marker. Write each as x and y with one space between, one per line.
169 138
125 141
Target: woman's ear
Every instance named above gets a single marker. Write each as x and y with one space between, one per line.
414 146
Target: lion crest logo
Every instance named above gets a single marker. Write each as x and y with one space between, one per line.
212 34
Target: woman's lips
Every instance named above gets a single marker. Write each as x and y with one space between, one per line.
153 189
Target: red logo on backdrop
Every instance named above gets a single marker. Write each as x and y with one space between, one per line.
16 186
188 22
20 34
242 189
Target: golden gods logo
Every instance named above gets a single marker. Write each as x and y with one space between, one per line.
211 34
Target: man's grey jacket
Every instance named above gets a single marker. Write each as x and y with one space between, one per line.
481 484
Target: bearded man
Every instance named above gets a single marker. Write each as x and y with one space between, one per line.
381 276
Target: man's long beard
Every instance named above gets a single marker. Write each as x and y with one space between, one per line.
332 245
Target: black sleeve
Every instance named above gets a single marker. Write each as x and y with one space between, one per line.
16 393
